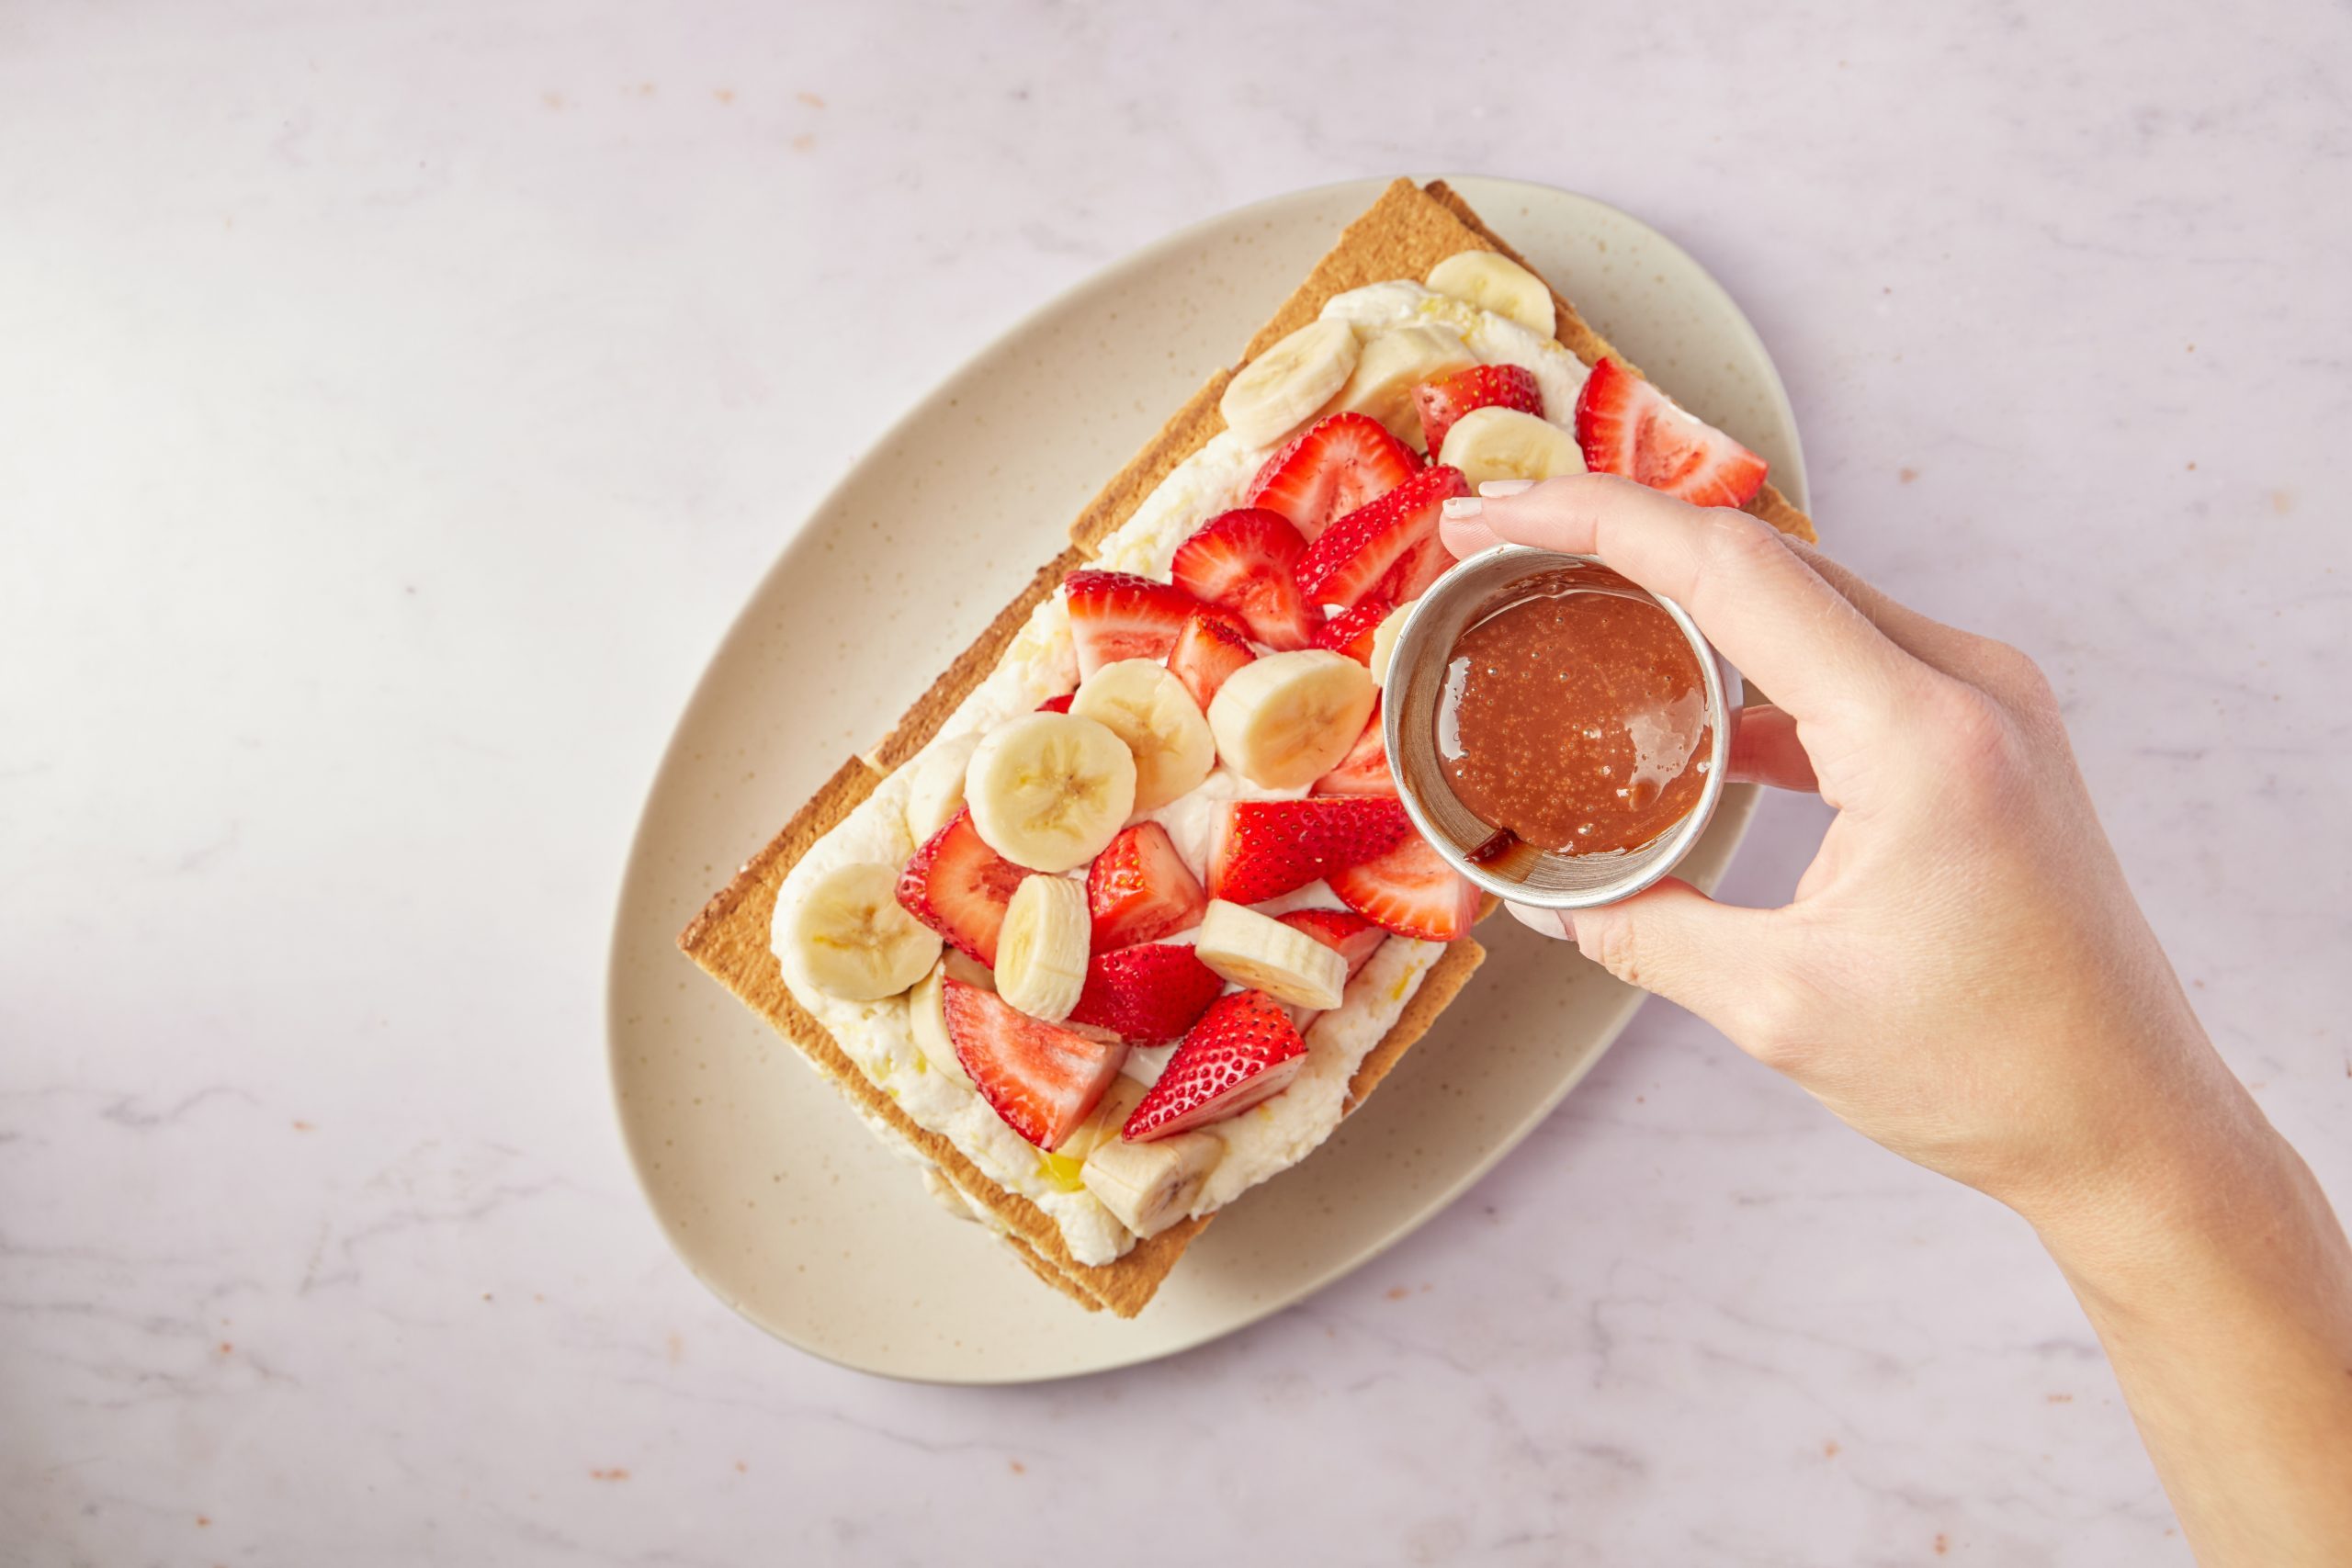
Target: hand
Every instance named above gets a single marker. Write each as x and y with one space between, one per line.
1964 976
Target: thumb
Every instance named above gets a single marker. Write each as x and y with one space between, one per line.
1718 959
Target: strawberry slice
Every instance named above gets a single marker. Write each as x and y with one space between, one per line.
1355 938
1242 561
1337 464
1389 550
1364 770
1244 1050
1058 704
1627 426
1442 402
958 886
1409 891
1146 994
1349 631
1117 615
1043 1082
1263 848
1139 889
1206 652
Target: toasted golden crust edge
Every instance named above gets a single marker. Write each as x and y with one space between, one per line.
1407 231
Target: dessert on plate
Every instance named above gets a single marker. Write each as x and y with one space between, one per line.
1124 916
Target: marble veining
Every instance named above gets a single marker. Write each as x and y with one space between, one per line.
397 403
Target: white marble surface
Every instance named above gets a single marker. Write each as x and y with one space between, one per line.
395 401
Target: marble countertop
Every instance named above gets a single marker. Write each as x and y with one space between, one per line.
396 402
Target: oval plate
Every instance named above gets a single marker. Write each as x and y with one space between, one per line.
779 1199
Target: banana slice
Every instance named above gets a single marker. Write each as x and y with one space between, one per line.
1041 954
1285 719
1138 701
1383 643
1391 366
1255 950
848 936
1048 790
1119 1102
927 1017
1498 284
1149 1187
1273 393
1505 443
935 784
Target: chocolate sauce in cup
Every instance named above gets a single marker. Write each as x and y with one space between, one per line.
1556 731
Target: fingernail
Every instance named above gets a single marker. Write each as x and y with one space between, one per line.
1549 922
1462 508
1497 489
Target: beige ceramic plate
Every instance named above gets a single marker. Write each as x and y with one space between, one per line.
771 1192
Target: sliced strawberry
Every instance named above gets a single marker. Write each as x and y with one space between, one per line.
1058 704
1410 891
1627 426
1263 848
958 886
1206 652
1389 550
1146 994
1442 402
1337 464
1242 560
1364 770
1043 1082
1139 889
1349 631
1355 938
1117 615
1245 1049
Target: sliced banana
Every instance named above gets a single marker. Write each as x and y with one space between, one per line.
1285 719
1119 1102
849 937
1257 951
1383 643
1506 443
1497 283
1391 366
935 784
1048 790
1273 394
927 1017
1149 1187
1138 701
1041 952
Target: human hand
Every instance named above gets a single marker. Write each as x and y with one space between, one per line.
1961 974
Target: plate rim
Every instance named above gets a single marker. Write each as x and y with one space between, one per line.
1741 809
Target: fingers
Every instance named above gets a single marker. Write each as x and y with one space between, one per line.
1719 960
1765 607
1765 750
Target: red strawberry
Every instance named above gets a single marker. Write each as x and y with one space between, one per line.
1263 848
1146 994
1243 1050
1117 615
1410 891
1058 704
1242 560
1386 550
1206 652
1138 889
1627 426
1337 464
1364 770
958 886
1353 937
1045 1082
1349 631
1480 386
